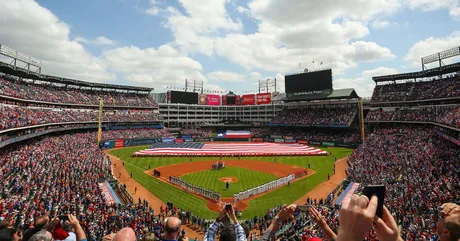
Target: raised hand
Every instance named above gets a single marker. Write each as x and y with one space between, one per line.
386 228
356 217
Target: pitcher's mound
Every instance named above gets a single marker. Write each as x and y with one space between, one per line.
228 179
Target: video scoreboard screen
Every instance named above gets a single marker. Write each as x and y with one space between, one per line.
231 100
182 97
309 83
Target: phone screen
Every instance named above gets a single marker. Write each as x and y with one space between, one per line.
228 207
379 191
63 217
302 208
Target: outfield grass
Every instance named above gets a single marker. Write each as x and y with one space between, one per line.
247 179
257 207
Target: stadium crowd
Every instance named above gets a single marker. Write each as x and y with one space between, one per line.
14 87
203 132
135 133
12 116
342 136
420 171
320 116
448 115
446 87
59 175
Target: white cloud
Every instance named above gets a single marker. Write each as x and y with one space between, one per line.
379 72
242 10
194 30
100 40
153 9
432 45
161 67
370 51
377 24
225 76
363 84
29 28
431 5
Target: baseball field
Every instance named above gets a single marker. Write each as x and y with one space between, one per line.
247 173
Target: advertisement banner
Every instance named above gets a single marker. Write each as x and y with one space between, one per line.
203 99
106 144
140 142
248 99
328 144
257 139
167 140
119 143
186 136
302 142
188 140
203 139
276 137
224 100
290 141
179 140
264 99
269 139
213 99
237 100
288 137
279 140
317 143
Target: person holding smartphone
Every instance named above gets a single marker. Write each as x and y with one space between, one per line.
227 232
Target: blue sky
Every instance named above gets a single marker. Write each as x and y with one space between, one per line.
229 44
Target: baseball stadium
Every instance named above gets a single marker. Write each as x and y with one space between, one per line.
84 160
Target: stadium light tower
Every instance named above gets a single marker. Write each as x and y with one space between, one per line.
99 121
194 84
268 85
17 58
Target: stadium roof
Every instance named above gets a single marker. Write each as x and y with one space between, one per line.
24 73
446 69
336 94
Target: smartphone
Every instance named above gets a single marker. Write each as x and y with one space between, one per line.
302 208
228 207
63 217
379 191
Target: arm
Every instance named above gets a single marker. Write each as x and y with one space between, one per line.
210 234
318 219
285 213
81 236
239 231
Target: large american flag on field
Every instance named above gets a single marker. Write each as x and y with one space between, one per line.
210 149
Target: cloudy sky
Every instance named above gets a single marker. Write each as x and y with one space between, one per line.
229 44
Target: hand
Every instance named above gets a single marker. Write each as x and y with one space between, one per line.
108 237
286 212
52 224
356 217
73 221
232 214
184 239
222 214
450 209
386 228
316 216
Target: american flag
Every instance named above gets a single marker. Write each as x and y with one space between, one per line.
226 149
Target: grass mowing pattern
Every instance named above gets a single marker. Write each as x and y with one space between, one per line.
257 207
247 179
